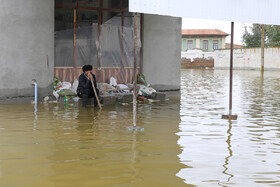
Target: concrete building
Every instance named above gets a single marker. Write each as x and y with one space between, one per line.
205 39
28 40
29 48
26 50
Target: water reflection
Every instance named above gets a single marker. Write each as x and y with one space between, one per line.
133 162
70 146
227 159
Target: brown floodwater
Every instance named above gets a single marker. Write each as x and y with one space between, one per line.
185 141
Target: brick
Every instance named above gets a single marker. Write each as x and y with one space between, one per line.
197 62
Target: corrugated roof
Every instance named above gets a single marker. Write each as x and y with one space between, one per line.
200 32
246 11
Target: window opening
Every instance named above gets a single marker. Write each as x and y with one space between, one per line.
190 44
215 44
205 45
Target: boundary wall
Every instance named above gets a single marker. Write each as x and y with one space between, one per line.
248 58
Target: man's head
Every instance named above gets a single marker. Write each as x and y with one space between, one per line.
87 68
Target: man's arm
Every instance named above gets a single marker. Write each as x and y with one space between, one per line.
84 82
94 81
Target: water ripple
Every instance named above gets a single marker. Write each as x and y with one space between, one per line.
223 152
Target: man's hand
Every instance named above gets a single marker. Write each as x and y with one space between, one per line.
89 75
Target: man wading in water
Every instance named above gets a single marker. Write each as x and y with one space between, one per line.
85 89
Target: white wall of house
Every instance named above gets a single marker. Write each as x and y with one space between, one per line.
223 42
27 49
248 58
197 43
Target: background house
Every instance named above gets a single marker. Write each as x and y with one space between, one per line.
205 39
235 46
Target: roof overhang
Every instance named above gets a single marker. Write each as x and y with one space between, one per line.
203 32
246 11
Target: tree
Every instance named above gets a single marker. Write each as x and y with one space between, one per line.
253 38
273 36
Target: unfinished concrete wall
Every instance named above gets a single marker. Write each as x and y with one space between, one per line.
248 58
26 49
162 51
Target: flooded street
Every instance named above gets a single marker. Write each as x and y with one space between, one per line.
84 147
243 152
185 141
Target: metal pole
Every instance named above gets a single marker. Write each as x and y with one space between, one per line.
135 69
230 116
231 67
134 127
262 49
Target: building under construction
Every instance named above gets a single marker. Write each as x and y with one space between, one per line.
41 39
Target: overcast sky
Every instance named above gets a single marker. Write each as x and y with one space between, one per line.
225 26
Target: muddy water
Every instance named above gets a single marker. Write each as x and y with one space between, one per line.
185 141
71 146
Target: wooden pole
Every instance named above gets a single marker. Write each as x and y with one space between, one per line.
134 127
95 93
75 43
141 39
100 17
262 49
135 70
122 43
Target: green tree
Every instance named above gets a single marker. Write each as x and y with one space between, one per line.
273 36
252 36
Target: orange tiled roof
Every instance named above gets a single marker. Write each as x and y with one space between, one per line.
200 32
234 45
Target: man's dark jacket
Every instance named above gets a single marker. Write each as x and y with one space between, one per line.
85 83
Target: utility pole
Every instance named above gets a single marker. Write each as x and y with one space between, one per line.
262 49
230 116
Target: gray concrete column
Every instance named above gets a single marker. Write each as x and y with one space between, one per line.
26 49
162 51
